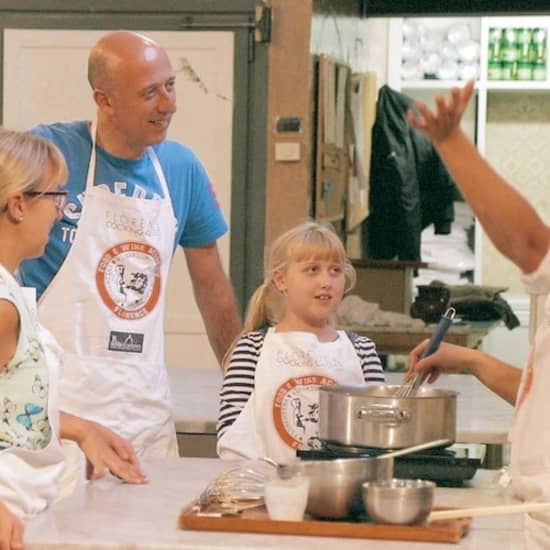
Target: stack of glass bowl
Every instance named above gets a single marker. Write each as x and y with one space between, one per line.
448 53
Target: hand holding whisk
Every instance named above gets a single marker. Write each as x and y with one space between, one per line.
410 389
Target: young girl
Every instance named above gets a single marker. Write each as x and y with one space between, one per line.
31 457
288 348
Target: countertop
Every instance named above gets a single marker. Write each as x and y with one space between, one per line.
108 514
482 417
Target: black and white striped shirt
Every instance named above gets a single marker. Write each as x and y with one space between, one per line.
238 382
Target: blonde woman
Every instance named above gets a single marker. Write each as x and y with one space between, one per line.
289 347
32 172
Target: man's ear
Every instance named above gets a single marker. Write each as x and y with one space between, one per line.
102 99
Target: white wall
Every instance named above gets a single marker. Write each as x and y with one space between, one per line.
511 346
343 38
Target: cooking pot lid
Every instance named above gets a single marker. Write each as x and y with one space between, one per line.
386 391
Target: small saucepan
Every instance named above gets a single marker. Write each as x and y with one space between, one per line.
335 484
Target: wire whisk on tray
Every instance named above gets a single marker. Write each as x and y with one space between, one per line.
235 489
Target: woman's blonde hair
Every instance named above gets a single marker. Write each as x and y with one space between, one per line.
23 158
307 241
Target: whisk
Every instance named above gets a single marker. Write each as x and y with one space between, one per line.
234 490
410 389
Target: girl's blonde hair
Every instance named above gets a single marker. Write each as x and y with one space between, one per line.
307 241
23 158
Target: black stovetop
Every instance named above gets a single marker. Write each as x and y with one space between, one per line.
444 466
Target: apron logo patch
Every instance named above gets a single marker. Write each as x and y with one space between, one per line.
128 279
126 341
296 410
132 223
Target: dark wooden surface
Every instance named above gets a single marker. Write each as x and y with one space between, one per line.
257 521
400 341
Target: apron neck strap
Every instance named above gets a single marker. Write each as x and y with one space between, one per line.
91 164
93 161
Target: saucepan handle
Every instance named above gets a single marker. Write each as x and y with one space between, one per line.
439 332
383 413
433 344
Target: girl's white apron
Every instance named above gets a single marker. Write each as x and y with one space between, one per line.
112 334
282 413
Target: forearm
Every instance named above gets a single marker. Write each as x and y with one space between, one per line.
501 378
220 315
509 220
11 529
104 450
72 427
214 296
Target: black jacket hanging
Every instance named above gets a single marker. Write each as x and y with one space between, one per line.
410 187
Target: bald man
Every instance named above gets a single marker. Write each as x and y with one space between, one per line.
133 197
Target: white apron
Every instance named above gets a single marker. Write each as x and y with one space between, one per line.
530 436
106 308
282 414
29 480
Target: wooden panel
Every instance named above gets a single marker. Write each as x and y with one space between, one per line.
363 116
197 445
387 283
289 184
400 341
333 160
257 521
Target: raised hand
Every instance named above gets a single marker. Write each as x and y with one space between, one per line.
445 121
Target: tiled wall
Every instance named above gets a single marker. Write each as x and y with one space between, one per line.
518 146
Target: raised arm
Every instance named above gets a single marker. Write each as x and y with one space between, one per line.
509 220
214 296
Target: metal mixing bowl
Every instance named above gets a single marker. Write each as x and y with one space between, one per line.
335 485
403 501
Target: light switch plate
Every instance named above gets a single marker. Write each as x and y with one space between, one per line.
287 151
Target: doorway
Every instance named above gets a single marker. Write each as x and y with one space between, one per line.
44 80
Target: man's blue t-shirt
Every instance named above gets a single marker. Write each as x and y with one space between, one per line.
200 220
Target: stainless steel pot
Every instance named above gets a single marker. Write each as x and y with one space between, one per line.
335 486
374 416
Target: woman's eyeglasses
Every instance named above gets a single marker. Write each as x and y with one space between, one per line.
58 197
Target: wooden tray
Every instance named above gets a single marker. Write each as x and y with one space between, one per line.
256 521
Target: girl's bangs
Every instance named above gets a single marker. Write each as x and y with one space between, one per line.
317 246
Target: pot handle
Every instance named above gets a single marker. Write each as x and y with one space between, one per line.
383 413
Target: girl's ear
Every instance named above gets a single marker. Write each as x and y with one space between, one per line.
279 280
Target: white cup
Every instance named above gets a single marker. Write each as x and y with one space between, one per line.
286 499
